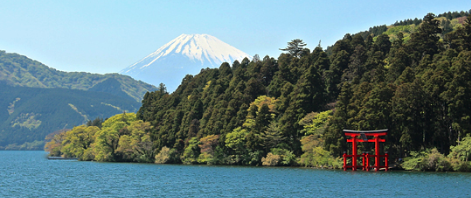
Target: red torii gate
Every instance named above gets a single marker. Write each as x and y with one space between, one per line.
364 138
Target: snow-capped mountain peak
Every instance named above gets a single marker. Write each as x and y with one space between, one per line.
200 49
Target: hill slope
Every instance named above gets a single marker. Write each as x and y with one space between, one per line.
19 70
29 114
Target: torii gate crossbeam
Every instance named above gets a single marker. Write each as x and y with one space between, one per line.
364 138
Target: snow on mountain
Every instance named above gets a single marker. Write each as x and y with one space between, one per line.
186 54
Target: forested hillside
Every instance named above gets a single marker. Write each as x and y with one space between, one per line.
292 110
19 70
29 114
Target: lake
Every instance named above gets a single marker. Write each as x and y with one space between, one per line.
30 174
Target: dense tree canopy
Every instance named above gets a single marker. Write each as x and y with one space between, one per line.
292 110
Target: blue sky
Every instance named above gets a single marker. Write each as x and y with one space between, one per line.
107 36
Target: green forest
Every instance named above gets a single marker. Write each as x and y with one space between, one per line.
412 78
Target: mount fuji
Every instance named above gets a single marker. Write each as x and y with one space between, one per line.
186 54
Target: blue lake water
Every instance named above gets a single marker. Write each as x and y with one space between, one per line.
30 174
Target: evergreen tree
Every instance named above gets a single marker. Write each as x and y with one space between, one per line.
397 65
383 43
334 139
295 47
357 40
425 40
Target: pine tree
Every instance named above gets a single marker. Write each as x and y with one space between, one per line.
295 47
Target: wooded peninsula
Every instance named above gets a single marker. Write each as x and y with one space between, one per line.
413 78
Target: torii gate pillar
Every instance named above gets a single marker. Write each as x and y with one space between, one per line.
364 138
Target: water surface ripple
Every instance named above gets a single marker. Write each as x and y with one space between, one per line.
30 174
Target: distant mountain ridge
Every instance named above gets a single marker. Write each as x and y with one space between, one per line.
37 100
19 70
186 54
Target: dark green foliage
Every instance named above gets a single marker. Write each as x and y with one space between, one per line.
425 40
96 122
455 14
373 31
398 64
417 89
378 30
357 40
383 44
414 21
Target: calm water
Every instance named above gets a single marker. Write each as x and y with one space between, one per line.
30 174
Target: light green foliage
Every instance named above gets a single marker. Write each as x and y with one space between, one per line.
401 28
119 120
318 157
249 123
136 146
121 138
78 140
207 86
315 156
427 160
455 24
191 152
415 161
462 150
107 139
432 160
393 31
105 144
287 156
263 99
318 124
205 158
236 140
